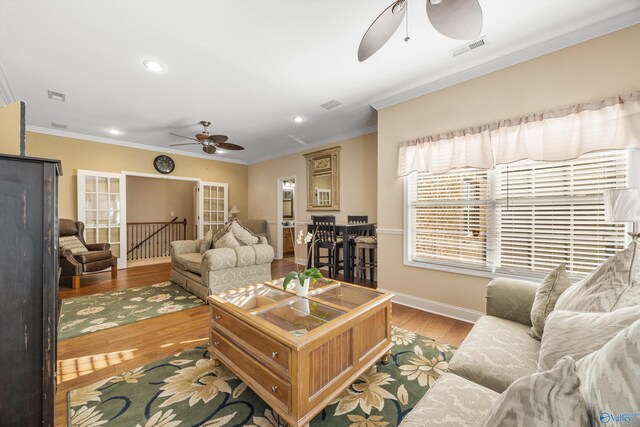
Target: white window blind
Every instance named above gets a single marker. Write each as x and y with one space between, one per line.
520 219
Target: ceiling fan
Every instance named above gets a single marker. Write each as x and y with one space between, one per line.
209 142
456 19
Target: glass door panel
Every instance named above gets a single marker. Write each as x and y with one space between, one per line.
100 203
213 205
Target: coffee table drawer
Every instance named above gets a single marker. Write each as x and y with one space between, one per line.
271 384
273 352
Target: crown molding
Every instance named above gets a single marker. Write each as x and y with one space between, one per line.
315 144
6 94
74 135
601 28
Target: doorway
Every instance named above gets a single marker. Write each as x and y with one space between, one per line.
286 218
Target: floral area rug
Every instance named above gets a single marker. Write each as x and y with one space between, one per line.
83 315
188 390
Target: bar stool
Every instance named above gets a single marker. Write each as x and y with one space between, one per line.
326 238
364 245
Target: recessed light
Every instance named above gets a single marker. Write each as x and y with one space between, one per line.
114 131
152 65
298 119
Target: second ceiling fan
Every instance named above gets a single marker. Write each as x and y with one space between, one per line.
209 142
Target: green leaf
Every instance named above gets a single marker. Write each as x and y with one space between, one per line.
311 271
288 278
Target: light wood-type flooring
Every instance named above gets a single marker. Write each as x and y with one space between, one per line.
89 358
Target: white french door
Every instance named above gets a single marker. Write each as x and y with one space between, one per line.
101 207
212 207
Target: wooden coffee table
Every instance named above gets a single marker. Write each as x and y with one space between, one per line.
299 353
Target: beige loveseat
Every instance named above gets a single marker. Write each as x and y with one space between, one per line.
219 269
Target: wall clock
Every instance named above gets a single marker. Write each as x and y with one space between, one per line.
164 164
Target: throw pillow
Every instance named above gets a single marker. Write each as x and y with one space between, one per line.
243 235
206 241
226 241
547 294
613 285
550 398
609 379
569 333
73 244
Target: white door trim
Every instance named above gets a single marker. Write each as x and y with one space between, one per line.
279 189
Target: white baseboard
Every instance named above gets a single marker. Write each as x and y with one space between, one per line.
447 310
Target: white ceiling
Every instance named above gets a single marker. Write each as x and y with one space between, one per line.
249 66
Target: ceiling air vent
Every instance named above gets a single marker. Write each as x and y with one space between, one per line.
468 47
331 104
58 96
58 125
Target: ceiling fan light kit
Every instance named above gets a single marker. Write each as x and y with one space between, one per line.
208 142
456 19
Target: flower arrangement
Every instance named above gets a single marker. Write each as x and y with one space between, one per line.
303 277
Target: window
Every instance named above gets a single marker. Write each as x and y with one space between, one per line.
520 219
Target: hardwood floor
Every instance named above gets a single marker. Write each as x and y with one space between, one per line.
89 358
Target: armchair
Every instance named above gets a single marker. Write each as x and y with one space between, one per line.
96 257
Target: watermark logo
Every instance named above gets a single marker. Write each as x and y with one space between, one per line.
606 417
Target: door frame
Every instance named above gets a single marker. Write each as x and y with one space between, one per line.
279 228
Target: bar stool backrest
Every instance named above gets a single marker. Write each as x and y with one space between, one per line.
325 229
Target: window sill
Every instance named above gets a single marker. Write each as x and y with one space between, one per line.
470 272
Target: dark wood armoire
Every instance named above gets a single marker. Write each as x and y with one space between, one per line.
28 289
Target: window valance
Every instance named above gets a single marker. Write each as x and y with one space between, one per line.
612 123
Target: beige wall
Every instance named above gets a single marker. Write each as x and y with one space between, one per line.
604 66
10 128
154 200
80 154
357 183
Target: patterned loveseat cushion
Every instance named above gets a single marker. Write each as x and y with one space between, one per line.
452 402
496 353
191 262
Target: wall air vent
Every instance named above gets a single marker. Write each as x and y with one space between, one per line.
331 104
58 96
58 125
468 47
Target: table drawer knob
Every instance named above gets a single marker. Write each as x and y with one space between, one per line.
217 317
274 354
274 388
216 343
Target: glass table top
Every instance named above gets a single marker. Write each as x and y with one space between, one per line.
346 296
299 315
254 297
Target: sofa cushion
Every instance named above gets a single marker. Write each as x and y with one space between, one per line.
242 234
73 244
190 262
226 241
245 255
615 284
207 241
547 294
452 402
609 378
496 353
545 399
575 334
264 254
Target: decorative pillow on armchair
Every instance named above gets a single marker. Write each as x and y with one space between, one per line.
547 294
73 244
613 285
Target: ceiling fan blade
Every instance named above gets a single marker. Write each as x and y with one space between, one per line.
228 146
456 19
185 137
382 29
186 143
209 149
218 139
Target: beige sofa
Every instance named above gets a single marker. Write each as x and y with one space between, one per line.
221 269
497 352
